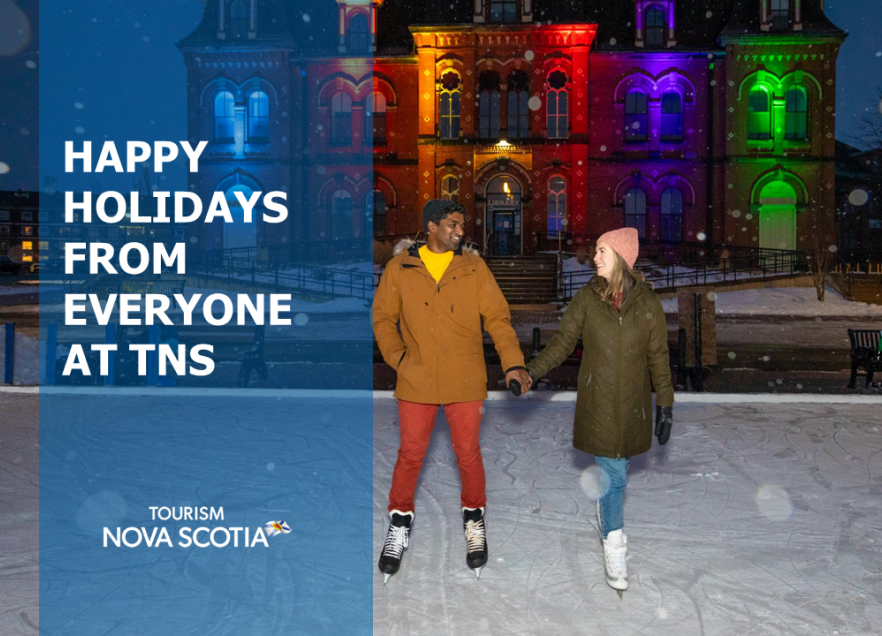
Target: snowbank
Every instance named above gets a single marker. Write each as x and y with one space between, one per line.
785 301
26 369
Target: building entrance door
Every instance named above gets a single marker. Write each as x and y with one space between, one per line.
777 217
504 215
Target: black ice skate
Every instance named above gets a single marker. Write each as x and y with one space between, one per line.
476 538
396 541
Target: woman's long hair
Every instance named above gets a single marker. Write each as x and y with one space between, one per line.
622 279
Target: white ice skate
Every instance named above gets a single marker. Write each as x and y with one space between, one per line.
615 554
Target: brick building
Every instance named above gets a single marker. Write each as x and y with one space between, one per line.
691 120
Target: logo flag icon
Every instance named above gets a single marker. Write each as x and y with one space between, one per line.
273 528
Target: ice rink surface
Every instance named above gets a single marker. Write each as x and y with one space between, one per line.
753 520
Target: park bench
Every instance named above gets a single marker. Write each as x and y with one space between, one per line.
864 353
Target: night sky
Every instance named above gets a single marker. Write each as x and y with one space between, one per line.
122 78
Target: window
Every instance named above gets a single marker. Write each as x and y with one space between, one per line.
557 105
780 15
358 34
94 232
655 28
4 230
375 211
672 215
636 116
44 245
27 245
450 188
27 230
488 116
27 216
672 116
635 211
375 119
224 119
258 117
503 10
796 114
341 119
341 215
238 19
450 105
4 215
557 205
518 110
43 216
759 115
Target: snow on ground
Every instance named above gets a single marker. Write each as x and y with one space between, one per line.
784 301
26 366
755 519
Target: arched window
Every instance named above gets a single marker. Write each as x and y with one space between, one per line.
488 115
224 119
636 116
518 110
341 119
759 114
358 34
796 113
655 28
503 10
780 15
672 215
557 105
450 105
671 116
238 19
341 215
258 117
375 119
375 211
557 205
635 211
450 188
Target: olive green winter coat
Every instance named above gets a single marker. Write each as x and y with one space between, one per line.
614 415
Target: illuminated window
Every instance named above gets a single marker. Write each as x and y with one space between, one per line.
636 116
258 117
27 230
672 215
796 114
655 28
450 105
557 205
224 119
375 119
341 119
44 245
27 258
635 211
759 114
450 188
557 105
672 116
27 245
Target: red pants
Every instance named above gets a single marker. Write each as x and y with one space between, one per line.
416 422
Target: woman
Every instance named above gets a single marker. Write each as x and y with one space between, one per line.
622 326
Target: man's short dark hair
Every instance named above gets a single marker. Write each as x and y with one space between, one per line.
436 210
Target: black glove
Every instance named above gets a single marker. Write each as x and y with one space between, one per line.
664 419
515 387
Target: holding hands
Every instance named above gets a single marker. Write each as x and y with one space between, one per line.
518 381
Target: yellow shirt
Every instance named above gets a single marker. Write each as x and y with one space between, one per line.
436 263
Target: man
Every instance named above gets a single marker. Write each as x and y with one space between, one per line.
437 293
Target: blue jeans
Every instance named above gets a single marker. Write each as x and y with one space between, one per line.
612 504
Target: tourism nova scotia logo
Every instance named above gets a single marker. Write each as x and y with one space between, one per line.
185 536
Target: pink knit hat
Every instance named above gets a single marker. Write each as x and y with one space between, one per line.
623 241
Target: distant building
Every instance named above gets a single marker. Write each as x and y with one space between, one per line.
859 199
690 120
19 229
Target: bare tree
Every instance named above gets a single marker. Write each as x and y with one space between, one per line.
870 124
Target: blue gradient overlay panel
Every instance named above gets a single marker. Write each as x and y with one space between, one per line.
138 461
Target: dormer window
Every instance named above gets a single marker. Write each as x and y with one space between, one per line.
780 15
503 10
655 23
238 19
359 35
